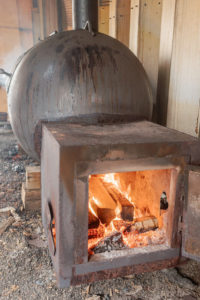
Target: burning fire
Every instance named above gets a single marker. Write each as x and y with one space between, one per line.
54 231
118 218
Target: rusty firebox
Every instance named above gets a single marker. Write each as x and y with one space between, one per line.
120 194
118 199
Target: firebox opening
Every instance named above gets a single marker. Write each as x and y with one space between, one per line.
128 210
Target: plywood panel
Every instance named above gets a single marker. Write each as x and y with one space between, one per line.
149 39
15 36
113 18
9 51
50 16
3 100
166 44
123 21
36 25
10 47
184 87
134 26
41 12
24 11
104 19
8 13
26 39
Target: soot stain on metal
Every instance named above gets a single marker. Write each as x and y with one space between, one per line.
36 90
94 58
33 57
71 62
28 88
81 60
60 37
59 48
111 56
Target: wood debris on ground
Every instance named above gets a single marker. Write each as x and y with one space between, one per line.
5 224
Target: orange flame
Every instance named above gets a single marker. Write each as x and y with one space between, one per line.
134 238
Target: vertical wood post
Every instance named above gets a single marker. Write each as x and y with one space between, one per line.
51 16
48 17
134 26
184 85
41 11
123 21
166 45
104 19
113 18
149 39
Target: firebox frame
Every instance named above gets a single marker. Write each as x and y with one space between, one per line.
84 169
70 153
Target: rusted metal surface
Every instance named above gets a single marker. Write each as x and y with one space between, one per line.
191 221
74 73
70 152
92 119
120 272
84 11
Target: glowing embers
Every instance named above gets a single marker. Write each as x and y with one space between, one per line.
53 228
126 210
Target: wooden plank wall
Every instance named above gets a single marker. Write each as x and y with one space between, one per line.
66 14
15 35
104 19
123 21
184 81
165 35
50 16
112 18
166 46
22 24
134 26
149 39
137 24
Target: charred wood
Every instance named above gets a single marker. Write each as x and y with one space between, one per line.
111 242
94 233
106 215
101 202
121 225
127 211
142 225
92 220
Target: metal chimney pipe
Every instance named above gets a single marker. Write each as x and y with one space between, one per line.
84 11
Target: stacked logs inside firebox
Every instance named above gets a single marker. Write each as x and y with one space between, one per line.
122 214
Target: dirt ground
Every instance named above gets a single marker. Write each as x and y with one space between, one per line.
26 270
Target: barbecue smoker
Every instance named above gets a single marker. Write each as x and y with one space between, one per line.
120 194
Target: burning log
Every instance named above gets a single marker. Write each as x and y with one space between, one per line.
121 225
142 225
106 215
127 211
101 202
95 233
113 241
93 221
